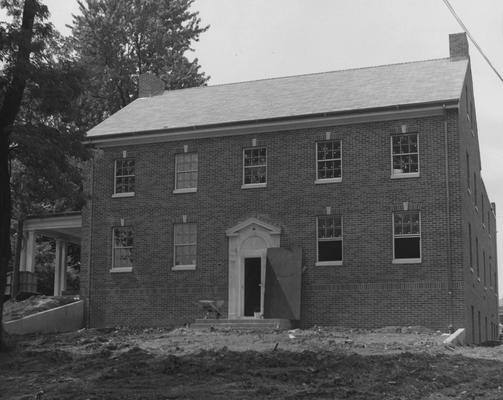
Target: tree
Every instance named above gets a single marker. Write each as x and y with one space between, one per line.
117 40
13 81
41 146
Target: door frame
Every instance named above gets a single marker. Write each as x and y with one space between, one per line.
253 254
247 239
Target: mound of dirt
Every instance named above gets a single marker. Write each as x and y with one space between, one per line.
34 304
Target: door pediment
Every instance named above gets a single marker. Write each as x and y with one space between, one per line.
251 223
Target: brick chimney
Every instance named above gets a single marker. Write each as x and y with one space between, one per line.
150 85
458 45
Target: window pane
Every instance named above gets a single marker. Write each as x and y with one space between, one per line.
124 176
185 233
330 250
407 247
123 258
123 237
185 255
329 227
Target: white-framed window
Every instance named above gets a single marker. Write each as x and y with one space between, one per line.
124 177
185 246
328 161
255 167
405 155
186 167
407 237
329 240
122 249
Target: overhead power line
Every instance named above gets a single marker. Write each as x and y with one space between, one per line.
453 12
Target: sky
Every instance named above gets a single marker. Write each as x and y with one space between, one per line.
256 39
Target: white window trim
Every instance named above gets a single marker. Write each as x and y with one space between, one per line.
407 260
121 269
122 194
254 185
332 263
192 189
319 181
185 190
328 263
183 267
188 267
114 268
399 175
328 180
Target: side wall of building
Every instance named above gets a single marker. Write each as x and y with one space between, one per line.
368 290
479 230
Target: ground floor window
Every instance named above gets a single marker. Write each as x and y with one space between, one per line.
329 232
406 236
185 244
122 248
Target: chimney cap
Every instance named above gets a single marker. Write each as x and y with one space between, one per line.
458 45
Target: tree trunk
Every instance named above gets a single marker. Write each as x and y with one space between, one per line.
8 113
17 260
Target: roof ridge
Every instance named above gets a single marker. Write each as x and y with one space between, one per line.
309 74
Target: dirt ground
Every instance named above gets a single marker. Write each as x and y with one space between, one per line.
319 363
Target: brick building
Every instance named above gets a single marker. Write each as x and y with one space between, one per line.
348 198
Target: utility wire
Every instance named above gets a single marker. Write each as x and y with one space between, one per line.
453 12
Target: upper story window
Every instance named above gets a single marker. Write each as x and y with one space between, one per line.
124 183
475 188
186 166
328 161
405 155
329 238
255 167
406 237
122 249
467 170
185 246
482 207
470 244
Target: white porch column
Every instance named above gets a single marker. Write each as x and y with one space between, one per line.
60 268
28 252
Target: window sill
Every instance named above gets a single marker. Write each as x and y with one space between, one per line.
405 175
407 261
254 185
121 269
328 263
185 190
189 267
331 180
127 194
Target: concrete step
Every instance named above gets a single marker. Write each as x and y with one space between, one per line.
272 323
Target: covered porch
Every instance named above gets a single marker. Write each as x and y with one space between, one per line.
64 228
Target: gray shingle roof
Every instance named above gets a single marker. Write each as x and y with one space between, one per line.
338 91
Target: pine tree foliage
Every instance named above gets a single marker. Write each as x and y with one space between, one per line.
117 40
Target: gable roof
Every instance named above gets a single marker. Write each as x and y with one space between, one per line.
329 92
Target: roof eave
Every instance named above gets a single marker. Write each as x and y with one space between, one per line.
345 117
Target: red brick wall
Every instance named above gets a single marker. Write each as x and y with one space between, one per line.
482 297
366 291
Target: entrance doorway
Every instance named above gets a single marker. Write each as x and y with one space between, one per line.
253 286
